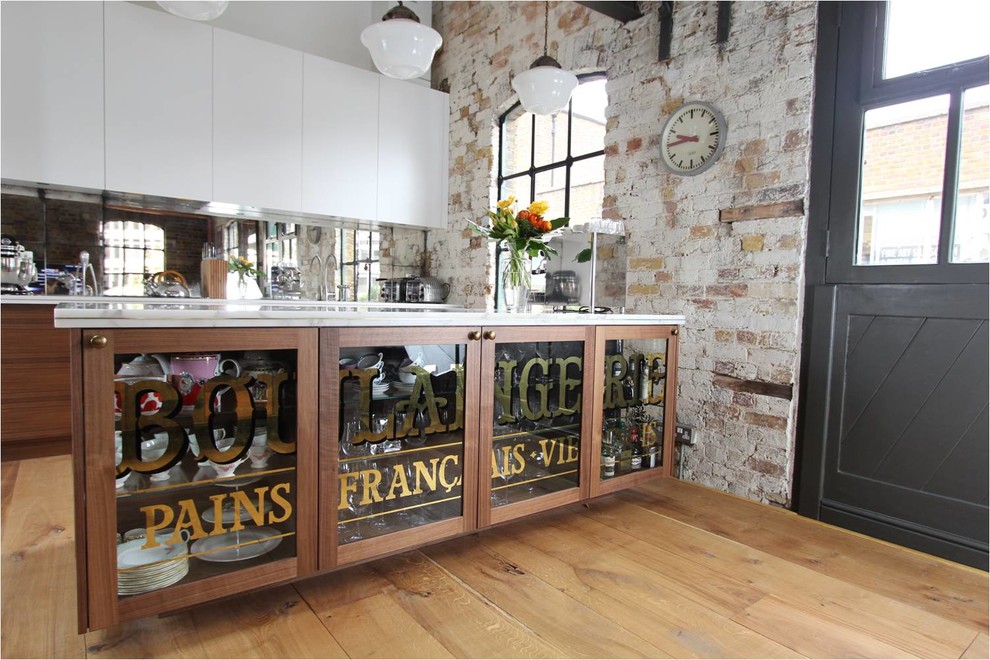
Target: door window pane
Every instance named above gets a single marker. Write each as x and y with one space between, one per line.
205 468
634 406
918 39
971 233
536 436
901 188
401 443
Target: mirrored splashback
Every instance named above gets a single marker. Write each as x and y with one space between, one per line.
130 238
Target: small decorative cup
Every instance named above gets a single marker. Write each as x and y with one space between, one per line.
259 451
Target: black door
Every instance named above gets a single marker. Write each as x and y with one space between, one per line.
894 419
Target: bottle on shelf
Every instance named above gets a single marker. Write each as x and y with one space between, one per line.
651 452
610 452
635 449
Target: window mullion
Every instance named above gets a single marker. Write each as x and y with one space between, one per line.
950 181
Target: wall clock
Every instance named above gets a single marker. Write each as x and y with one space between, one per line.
692 138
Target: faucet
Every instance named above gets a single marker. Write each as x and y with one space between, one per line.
324 270
86 269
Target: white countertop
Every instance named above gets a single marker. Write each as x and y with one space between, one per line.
271 313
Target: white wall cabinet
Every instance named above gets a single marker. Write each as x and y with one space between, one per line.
257 123
340 140
52 97
412 154
159 103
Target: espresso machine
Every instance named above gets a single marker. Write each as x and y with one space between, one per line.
17 268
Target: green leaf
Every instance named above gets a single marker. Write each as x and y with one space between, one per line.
584 256
559 222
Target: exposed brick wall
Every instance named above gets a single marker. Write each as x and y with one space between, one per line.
738 284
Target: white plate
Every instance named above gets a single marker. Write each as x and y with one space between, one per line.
231 546
228 513
152 585
131 555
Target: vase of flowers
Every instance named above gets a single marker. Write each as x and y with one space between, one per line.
523 235
244 269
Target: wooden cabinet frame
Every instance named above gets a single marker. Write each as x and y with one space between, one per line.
94 473
318 408
603 335
487 514
331 341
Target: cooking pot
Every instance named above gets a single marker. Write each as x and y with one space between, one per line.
563 286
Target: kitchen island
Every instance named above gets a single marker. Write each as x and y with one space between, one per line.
223 447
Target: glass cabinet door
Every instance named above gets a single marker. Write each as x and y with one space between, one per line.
535 389
636 406
404 450
206 463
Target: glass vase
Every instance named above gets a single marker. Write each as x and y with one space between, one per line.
517 282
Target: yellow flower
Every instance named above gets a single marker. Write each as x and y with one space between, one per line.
507 202
538 208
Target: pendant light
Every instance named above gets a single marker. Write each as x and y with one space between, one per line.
545 88
196 10
400 45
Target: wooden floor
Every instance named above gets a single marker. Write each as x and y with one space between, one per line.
666 570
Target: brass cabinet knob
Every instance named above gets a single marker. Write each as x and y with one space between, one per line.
98 341
675 331
474 335
489 334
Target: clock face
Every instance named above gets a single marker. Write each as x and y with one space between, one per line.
692 139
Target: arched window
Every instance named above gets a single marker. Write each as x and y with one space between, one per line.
131 250
558 158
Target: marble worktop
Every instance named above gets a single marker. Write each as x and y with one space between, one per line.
269 313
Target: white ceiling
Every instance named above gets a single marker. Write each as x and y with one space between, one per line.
328 29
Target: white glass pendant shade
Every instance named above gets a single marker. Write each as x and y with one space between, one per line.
544 90
401 48
196 10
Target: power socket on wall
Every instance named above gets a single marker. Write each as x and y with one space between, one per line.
685 435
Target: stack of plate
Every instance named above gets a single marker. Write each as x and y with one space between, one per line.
140 570
402 388
378 390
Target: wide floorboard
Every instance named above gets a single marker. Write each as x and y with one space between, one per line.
668 569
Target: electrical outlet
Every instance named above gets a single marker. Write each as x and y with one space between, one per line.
685 435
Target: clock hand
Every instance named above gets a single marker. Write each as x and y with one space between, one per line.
682 140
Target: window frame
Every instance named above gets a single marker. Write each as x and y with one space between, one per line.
533 170
342 264
860 87
105 257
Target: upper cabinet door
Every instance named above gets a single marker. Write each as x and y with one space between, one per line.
412 154
257 123
52 100
159 117
340 139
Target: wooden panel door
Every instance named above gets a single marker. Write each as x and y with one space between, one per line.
398 439
907 390
194 486
636 401
536 420
894 417
159 103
